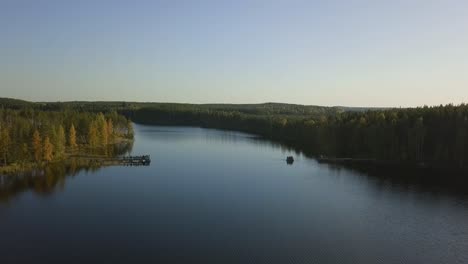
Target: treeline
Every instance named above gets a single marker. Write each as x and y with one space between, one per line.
437 135
28 135
126 107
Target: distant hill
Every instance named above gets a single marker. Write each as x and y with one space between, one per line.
361 109
14 103
269 108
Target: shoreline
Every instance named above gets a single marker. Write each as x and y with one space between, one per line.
83 153
436 166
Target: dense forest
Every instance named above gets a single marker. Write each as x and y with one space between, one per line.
435 135
30 135
430 135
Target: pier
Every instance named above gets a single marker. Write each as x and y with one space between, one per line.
143 160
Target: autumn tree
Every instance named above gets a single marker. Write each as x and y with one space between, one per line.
104 134
72 137
101 126
60 141
37 146
48 149
110 131
24 153
5 142
93 139
129 129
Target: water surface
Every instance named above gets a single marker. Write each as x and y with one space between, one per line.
228 197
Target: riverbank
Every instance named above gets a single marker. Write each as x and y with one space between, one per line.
440 167
434 135
101 156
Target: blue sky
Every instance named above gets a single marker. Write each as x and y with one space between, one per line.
355 53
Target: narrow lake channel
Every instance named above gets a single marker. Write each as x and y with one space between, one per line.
229 197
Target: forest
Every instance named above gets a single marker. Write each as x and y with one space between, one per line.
31 136
436 135
425 135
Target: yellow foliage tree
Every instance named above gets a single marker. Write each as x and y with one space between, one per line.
110 131
101 126
37 146
24 153
48 149
72 137
104 134
60 141
5 141
129 129
93 139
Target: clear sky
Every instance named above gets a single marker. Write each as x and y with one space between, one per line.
355 53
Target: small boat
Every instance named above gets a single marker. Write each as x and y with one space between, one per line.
290 160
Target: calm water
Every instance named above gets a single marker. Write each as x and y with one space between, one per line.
226 197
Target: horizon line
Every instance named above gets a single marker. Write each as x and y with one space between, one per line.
260 103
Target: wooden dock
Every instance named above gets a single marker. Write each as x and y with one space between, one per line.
143 160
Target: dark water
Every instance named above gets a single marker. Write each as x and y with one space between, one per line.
226 197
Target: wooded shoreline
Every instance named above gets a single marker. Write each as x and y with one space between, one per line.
32 138
427 137
83 155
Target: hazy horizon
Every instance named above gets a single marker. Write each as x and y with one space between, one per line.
215 103
333 53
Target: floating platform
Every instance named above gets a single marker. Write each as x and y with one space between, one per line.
143 160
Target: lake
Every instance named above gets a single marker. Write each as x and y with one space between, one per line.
228 197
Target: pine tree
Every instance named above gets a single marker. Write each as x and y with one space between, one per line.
37 146
48 149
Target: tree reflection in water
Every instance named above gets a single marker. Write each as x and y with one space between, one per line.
52 177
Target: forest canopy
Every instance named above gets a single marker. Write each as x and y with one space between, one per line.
29 134
437 134
423 134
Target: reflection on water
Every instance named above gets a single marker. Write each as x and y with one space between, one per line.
43 181
52 177
214 196
409 179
